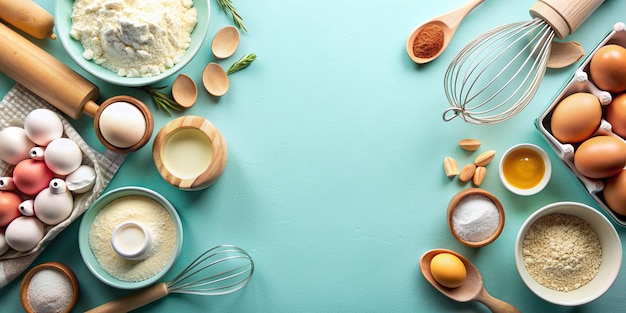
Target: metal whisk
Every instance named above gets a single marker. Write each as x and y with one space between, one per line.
218 271
497 74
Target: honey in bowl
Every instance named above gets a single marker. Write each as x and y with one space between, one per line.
525 169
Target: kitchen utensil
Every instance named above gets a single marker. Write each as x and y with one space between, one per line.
471 290
563 54
218 271
497 74
449 22
184 91
225 42
215 79
28 17
56 83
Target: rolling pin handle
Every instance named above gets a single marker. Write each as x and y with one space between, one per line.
90 108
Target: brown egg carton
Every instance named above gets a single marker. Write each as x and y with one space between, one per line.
580 82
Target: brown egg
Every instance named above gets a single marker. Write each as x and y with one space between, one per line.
576 117
615 114
608 68
615 193
600 157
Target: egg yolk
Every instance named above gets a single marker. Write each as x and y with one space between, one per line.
448 270
523 168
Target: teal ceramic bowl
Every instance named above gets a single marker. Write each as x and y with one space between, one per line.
86 225
63 24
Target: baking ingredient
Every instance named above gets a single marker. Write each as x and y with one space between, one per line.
448 270
14 144
451 167
479 175
154 217
475 218
162 100
600 156
562 252
49 290
134 38
242 63
132 240
122 124
469 144
9 203
614 193
608 68
615 114
27 207
467 172
31 176
227 7
576 117
6 183
29 17
523 168
485 158
63 156
81 180
54 204
187 153
428 41
24 233
42 126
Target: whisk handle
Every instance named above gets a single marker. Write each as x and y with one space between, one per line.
134 301
565 16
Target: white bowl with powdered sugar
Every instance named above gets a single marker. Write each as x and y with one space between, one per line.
125 44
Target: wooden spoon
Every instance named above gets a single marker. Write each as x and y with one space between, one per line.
448 22
225 42
563 54
471 290
184 91
215 79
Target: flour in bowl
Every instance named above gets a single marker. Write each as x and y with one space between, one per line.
134 38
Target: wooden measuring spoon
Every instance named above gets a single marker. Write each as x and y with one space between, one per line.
471 290
225 42
448 22
215 79
564 54
184 91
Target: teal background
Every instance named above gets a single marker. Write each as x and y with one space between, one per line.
334 181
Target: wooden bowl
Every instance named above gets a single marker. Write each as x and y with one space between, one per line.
472 192
147 118
190 153
66 271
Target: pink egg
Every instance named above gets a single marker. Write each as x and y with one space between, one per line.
31 176
9 203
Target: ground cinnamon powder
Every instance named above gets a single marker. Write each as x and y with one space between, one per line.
428 41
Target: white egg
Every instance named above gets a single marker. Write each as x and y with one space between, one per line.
122 124
63 156
54 204
24 233
14 144
27 207
4 247
81 180
42 126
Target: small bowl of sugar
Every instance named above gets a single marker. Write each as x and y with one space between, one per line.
475 217
49 287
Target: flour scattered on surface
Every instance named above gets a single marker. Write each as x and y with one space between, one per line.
134 38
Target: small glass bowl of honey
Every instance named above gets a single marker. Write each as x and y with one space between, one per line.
525 169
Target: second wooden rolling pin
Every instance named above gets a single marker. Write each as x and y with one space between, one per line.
46 76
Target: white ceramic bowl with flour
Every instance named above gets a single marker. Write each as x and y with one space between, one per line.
97 232
570 256
130 43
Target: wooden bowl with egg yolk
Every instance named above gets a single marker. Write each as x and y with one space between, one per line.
190 153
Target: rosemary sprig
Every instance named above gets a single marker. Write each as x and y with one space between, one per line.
227 7
161 100
242 63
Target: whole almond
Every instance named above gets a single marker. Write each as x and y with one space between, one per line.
467 172
484 158
451 167
469 144
479 175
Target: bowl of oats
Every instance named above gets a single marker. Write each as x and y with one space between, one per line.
568 253
132 43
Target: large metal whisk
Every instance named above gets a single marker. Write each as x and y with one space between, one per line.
218 271
497 74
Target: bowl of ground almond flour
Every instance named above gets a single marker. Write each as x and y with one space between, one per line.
132 43
568 253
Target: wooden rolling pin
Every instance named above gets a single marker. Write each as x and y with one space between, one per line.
46 76
28 17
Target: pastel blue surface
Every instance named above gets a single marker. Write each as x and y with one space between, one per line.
334 182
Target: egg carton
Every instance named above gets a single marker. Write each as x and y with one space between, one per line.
580 82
